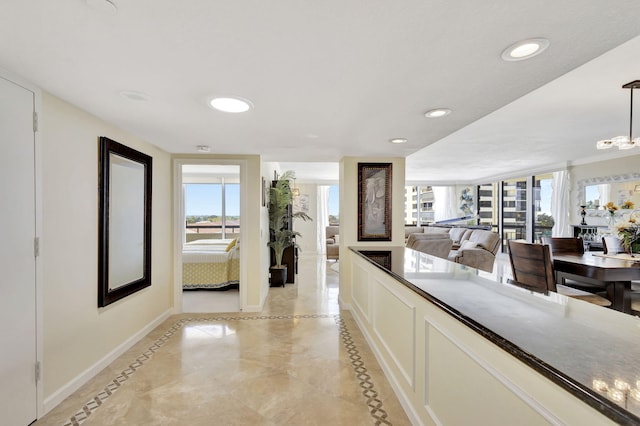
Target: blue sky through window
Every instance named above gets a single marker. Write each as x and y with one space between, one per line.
204 199
334 200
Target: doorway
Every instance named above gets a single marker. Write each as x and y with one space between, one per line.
210 237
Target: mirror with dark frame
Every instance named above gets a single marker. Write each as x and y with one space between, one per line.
124 255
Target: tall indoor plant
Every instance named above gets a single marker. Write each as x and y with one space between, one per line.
281 216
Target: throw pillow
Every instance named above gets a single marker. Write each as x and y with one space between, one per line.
336 239
231 245
468 245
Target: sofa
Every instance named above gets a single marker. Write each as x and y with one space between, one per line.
439 246
332 235
473 246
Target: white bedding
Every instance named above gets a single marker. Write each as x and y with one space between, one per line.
209 242
203 256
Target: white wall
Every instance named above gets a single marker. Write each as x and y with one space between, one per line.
308 229
77 334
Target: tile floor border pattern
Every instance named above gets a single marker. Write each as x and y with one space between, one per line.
368 390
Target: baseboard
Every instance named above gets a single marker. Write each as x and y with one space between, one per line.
344 305
409 410
252 308
73 385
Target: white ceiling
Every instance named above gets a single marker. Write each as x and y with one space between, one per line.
334 78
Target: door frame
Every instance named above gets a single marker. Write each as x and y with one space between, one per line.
178 224
39 276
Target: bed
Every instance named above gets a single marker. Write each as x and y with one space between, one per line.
210 264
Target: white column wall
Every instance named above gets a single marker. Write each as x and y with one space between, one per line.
349 214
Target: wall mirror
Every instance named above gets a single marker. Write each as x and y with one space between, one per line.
124 255
598 191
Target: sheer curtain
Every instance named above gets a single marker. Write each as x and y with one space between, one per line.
445 203
322 217
560 204
604 190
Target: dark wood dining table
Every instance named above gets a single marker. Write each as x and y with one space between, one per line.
613 273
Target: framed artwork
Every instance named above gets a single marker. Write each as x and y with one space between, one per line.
301 203
374 201
265 192
382 258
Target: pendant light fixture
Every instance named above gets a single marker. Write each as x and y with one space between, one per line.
624 142
295 191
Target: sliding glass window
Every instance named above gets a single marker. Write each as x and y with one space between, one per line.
541 206
489 205
212 210
418 205
514 210
334 205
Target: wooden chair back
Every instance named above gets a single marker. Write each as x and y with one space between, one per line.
565 245
612 245
531 266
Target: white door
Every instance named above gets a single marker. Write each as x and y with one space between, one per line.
18 398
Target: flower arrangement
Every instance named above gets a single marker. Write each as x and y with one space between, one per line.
611 208
627 205
629 231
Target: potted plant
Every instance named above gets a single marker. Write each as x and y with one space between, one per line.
281 216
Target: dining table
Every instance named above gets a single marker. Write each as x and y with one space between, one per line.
614 272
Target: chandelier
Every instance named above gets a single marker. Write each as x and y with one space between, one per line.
623 142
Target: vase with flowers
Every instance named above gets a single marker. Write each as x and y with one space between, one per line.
629 232
611 210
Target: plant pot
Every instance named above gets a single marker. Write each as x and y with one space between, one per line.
278 275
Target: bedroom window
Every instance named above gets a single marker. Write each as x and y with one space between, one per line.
212 207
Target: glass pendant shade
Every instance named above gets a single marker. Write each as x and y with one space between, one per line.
604 144
624 142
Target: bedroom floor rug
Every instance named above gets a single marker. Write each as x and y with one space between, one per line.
301 361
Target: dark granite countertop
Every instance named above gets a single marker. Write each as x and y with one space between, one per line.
576 345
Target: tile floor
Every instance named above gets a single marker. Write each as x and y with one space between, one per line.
210 301
301 361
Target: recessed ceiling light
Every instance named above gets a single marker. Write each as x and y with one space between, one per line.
135 96
203 148
229 104
525 49
398 140
438 112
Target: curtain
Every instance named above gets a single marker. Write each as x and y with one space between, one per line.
604 190
560 204
323 218
445 205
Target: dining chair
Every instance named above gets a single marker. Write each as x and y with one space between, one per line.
612 245
571 245
565 245
532 268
